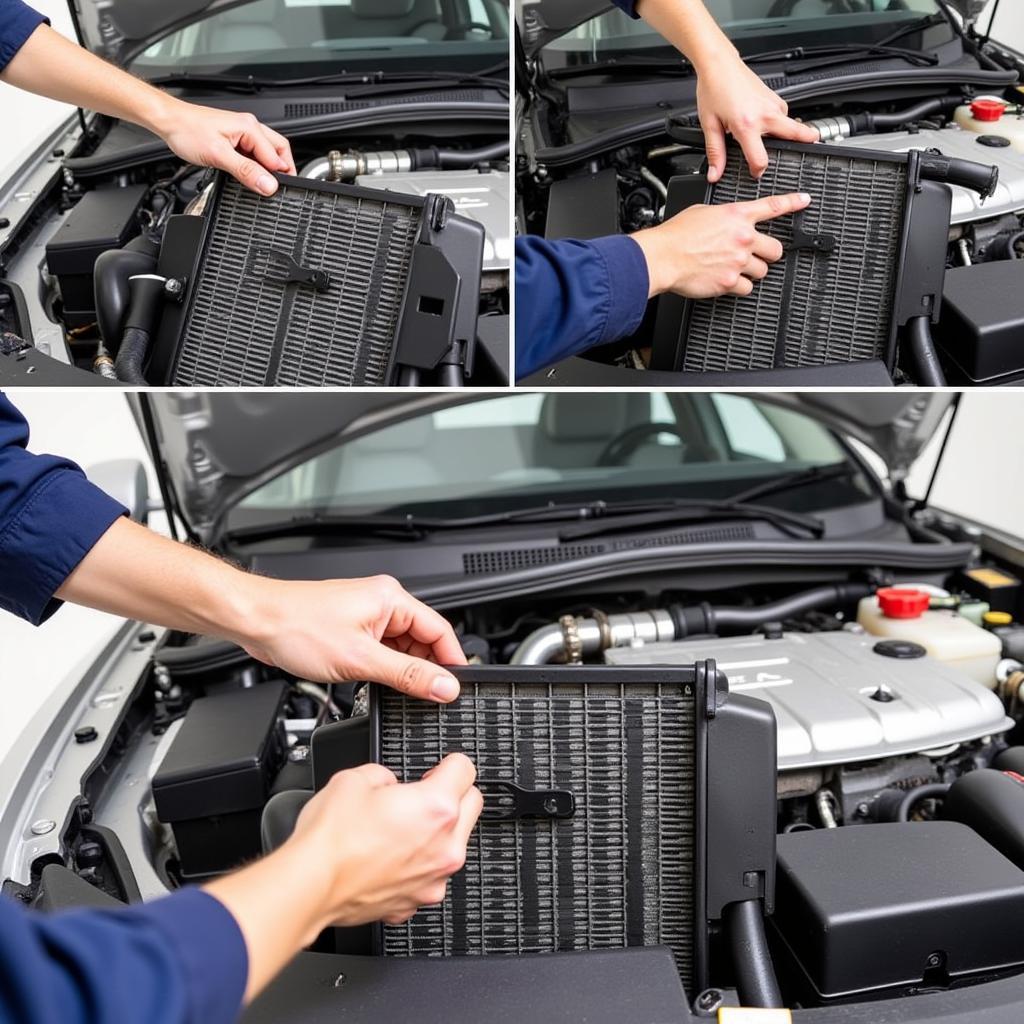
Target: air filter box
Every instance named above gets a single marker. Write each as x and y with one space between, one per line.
105 218
321 284
622 807
216 777
889 909
867 255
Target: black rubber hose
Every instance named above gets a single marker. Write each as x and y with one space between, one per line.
922 349
980 178
917 794
455 159
755 974
750 618
110 284
867 123
131 357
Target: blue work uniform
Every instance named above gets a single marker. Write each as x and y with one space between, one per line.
572 295
177 960
17 22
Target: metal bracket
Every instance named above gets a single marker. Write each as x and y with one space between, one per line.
279 266
821 242
527 803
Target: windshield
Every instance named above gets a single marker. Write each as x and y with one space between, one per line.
517 450
753 25
324 36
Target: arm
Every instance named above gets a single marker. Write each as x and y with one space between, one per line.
573 295
730 97
50 65
365 849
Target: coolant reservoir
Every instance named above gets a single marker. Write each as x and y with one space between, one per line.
988 116
903 614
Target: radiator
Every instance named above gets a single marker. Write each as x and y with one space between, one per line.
593 833
844 284
320 284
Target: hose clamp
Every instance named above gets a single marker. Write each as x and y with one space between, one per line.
604 627
571 639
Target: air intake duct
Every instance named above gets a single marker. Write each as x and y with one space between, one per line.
319 285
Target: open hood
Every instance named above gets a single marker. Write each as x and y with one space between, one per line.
213 448
118 30
540 21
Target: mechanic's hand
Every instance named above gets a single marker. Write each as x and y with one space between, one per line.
228 140
334 631
707 251
389 848
732 99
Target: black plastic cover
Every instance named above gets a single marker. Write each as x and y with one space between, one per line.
105 218
871 908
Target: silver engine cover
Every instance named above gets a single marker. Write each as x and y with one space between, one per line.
956 142
484 196
824 686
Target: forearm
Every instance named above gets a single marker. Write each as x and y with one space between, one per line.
52 66
279 905
138 574
690 28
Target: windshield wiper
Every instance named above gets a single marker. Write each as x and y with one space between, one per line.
798 478
839 53
375 82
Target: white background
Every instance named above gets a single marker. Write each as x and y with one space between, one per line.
26 120
982 477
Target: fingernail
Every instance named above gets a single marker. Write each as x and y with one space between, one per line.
444 689
266 184
804 197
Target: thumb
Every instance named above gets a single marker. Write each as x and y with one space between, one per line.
714 144
413 676
247 172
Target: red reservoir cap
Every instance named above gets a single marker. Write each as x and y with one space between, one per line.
902 602
988 110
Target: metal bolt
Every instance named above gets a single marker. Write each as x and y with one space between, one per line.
708 1001
339 981
934 959
172 286
43 827
863 809
551 805
298 755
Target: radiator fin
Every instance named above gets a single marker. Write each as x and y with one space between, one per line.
246 327
619 872
838 306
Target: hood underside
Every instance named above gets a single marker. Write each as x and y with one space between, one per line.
215 447
541 21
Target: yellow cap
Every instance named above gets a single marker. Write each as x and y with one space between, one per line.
997 618
746 1015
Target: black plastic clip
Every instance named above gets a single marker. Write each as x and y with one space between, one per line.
802 239
281 267
526 803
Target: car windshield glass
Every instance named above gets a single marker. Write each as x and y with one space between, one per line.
519 450
272 37
754 26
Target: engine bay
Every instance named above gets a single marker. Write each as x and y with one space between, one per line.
971 322
355 259
894 754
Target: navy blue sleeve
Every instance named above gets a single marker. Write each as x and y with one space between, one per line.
571 295
50 517
177 960
17 22
628 6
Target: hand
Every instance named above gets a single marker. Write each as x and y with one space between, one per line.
389 848
731 98
346 630
228 140
364 849
707 251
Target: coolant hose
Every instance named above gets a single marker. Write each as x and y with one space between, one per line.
454 159
739 619
110 283
917 794
845 126
922 349
146 292
756 983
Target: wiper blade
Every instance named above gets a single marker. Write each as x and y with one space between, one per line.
374 81
681 511
800 478
840 53
630 65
